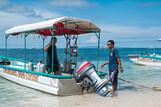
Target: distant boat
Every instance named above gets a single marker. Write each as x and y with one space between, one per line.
159 39
34 48
146 60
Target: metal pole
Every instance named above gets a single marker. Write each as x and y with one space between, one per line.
25 49
43 49
98 49
6 38
52 33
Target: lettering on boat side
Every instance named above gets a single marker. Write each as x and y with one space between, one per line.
53 82
22 75
11 72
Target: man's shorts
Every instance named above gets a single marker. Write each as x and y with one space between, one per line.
113 74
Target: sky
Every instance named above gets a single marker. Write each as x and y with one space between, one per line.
131 23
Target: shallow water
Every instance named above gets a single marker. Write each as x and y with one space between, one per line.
15 95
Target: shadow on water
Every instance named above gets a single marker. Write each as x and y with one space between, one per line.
128 88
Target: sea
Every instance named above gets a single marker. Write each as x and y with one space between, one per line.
14 95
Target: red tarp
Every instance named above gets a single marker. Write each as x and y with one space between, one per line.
60 30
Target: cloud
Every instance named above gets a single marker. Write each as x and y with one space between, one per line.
21 10
44 14
11 19
30 12
92 40
70 3
3 2
131 30
17 15
131 36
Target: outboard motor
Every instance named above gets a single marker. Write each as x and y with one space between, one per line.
87 70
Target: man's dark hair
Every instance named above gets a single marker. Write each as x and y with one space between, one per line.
111 41
53 39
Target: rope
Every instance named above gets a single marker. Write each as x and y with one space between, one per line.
151 88
140 85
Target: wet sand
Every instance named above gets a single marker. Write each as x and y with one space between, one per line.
141 99
144 98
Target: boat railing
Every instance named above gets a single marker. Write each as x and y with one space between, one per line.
39 73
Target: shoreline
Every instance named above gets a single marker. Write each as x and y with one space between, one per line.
140 98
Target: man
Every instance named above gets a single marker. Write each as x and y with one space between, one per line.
48 48
114 62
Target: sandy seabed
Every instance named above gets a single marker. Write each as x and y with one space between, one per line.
146 98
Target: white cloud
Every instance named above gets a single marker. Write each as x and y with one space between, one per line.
10 19
19 16
46 14
22 15
92 40
30 12
73 3
131 30
3 2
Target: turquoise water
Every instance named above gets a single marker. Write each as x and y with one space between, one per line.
146 75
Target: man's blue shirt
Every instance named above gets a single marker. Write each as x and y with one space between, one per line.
113 55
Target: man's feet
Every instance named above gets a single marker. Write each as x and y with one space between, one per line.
114 94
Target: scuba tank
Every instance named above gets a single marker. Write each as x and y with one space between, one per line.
30 66
40 67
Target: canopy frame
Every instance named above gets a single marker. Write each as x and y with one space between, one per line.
43 46
71 52
86 26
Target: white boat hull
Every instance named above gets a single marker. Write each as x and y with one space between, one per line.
42 83
146 63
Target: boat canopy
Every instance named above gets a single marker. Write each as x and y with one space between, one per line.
59 26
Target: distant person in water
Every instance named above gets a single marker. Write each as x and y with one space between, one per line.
114 63
48 48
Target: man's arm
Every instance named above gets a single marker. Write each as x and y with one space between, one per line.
120 64
104 64
47 46
119 60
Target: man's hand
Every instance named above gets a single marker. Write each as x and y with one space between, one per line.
50 43
102 65
121 69
47 46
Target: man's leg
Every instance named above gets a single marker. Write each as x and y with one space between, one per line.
115 80
114 86
48 68
56 69
113 76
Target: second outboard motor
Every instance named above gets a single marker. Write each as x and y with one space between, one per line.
87 70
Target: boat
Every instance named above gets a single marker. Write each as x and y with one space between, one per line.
19 70
153 60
